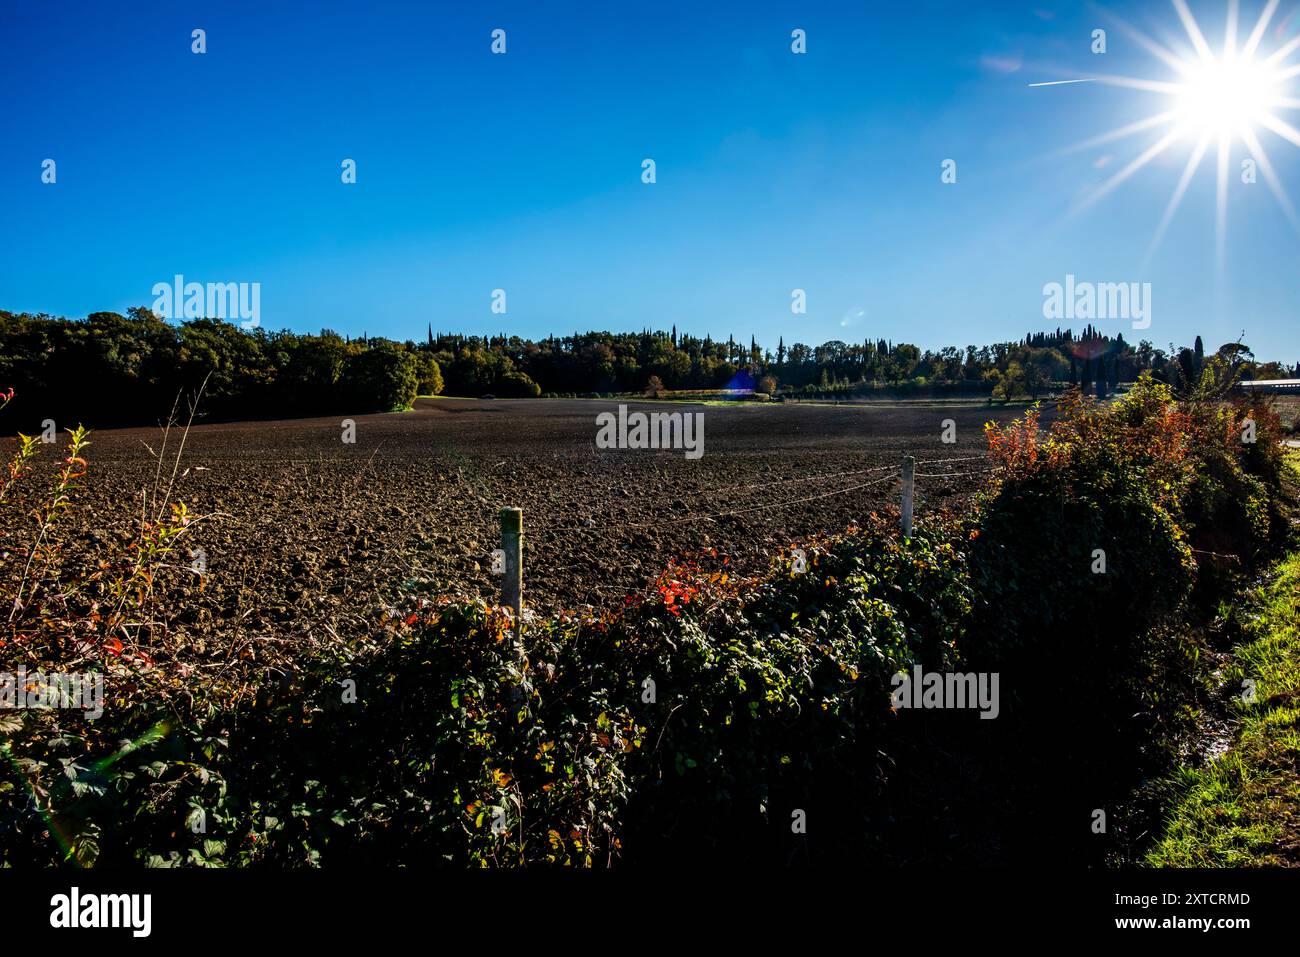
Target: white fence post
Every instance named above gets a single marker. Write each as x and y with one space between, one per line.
512 543
909 487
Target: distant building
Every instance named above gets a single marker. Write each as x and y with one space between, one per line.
1270 385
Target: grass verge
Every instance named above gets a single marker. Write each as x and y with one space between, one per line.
1244 808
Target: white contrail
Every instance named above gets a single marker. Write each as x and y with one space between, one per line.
1059 82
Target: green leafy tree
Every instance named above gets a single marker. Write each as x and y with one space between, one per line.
517 385
381 378
428 374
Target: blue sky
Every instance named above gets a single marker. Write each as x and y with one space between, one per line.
523 172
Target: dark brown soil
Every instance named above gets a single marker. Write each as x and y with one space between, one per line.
306 532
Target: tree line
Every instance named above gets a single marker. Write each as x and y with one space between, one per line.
612 363
111 369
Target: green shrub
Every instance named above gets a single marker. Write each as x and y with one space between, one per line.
381 378
1095 557
1077 550
580 759
1233 503
745 683
517 385
428 375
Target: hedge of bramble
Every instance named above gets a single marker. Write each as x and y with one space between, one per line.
698 722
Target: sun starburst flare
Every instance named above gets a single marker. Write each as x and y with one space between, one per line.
1212 100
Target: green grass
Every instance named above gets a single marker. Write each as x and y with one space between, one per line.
1244 808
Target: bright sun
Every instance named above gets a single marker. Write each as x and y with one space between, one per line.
1222 98
1226 97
